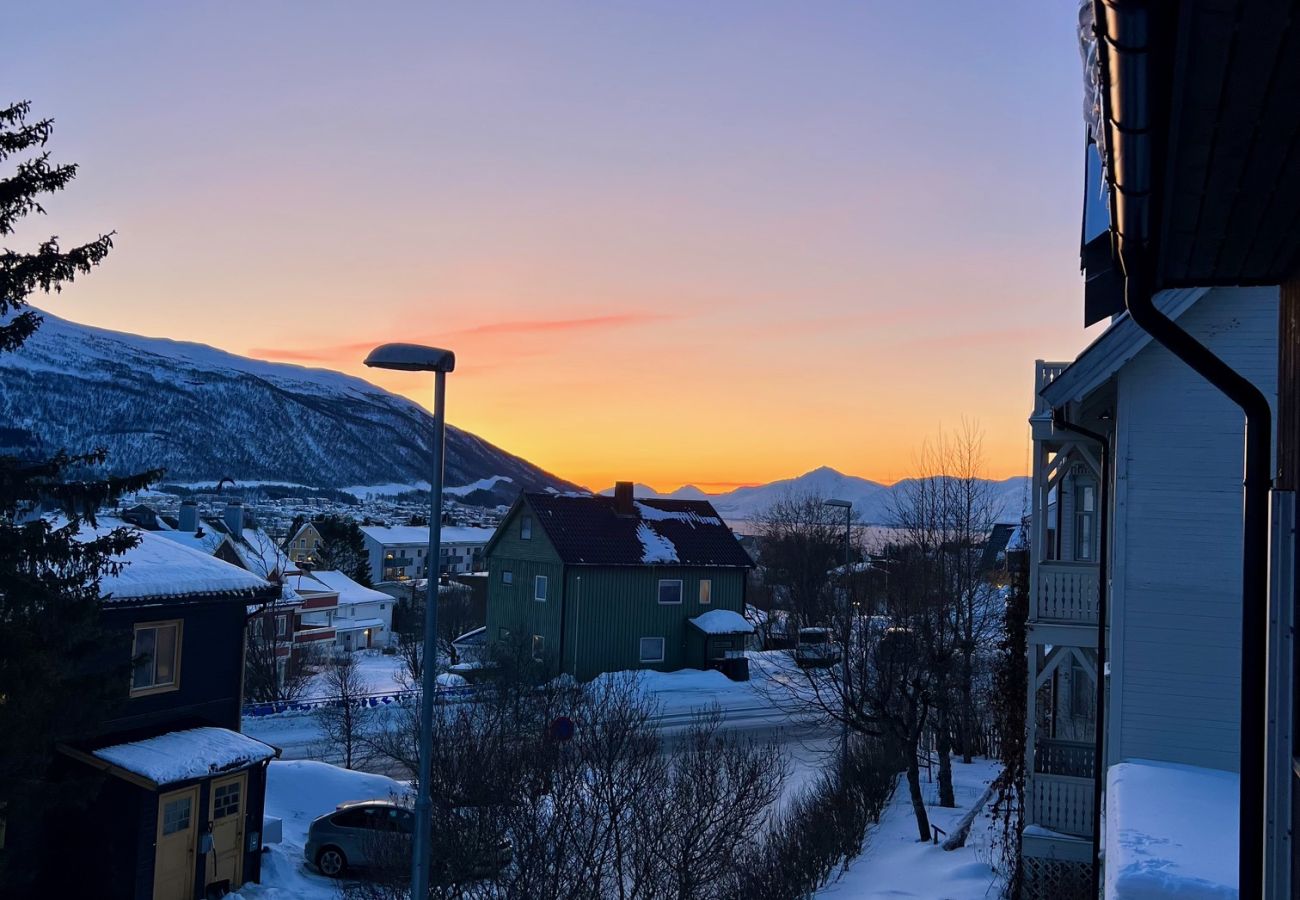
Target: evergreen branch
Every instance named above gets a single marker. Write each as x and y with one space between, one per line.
24 137
34 177
48 269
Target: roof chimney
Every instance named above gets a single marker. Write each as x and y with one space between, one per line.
189 516
235 518
623 498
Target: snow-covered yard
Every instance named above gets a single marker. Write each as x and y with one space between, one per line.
297 791
380 673
895 864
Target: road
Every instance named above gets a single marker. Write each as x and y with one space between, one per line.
807 743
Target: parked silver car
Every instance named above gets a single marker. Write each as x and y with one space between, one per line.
355 833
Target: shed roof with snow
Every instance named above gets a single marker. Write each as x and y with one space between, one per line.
593 530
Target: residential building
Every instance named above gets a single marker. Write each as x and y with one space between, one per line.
597 584
303 545
359 617
178 813
397 552
1163 545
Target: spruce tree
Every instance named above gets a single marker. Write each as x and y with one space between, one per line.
60 672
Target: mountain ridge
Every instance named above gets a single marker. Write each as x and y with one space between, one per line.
204 413
872 501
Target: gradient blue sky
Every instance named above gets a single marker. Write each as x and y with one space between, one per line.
705 242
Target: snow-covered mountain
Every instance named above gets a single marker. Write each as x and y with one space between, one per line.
872 501
205 414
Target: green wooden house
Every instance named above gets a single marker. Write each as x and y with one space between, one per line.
600 584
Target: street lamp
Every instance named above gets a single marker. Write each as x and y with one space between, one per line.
847 506
415 358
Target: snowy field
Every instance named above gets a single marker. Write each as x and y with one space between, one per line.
380 673
895 864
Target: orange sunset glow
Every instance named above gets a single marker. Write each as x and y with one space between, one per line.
720 248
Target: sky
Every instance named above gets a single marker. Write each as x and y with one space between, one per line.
715 242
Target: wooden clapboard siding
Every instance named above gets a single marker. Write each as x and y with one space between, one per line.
1177 554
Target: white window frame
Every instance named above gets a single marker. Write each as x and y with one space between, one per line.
541 586
281 625
640 650
660 593
706 592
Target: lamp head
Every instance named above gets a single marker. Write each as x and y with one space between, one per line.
411 358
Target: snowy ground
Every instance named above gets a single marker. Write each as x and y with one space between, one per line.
895 864
297 791
380 673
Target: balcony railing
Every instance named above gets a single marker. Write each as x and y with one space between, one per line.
1044 374
1062 803
1067 593
1056 757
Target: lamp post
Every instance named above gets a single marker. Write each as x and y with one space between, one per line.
847 506
415 358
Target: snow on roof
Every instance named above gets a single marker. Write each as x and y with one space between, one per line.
475 636
722 621
1171 831
204 541
159 568
419 534
182 755
347 589
260 553
1018 539
655 514
655 548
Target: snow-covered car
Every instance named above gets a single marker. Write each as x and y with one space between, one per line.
367 834
815 648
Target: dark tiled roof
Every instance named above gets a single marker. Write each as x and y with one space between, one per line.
586 530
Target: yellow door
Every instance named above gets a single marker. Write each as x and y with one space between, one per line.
228 799
173 874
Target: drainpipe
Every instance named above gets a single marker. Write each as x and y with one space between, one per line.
1124 45
1254 567
1103 542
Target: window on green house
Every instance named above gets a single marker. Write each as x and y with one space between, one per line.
652 649
706 591
539 647
507 577
670 590
526 528
539 588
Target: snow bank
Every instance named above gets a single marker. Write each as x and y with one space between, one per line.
1171 831
655 548
722 621
181 755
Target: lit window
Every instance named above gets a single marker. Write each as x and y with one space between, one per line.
526 528
157 652
539 588
670 590
706 591
652 649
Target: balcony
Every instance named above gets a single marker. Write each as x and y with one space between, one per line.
1066 593
1062 803
1076 759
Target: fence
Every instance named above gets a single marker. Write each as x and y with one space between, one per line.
455 694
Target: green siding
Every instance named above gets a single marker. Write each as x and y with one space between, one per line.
611 609
512 606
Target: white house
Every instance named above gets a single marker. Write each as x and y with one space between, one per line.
362 618
1173 572
397 553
